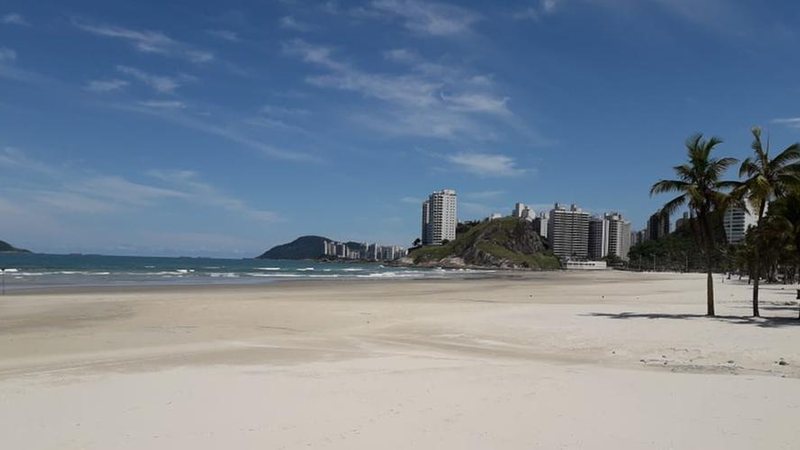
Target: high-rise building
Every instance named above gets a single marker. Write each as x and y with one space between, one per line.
598 238
439 217
619 235
682 222
658 226
523 211
540 224
737 221
568 232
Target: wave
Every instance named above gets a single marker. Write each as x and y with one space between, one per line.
270 269
306 269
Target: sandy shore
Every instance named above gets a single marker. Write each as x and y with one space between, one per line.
561 360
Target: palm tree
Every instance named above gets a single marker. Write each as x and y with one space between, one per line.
701 188
766 180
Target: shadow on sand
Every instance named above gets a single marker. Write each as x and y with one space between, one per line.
763 322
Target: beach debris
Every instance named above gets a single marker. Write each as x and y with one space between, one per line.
781 362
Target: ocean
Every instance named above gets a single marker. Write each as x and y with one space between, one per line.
24 271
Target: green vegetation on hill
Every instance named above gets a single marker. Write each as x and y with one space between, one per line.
304 247
507 242
6 247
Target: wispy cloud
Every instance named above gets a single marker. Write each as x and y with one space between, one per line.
15 159
225 35
106 85
7 55
160 83
792 122
175 114
147 41
431 100
79 191
429 18
190 184
162 104
14 19
485 164
290 23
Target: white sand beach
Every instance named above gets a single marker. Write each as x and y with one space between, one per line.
603 360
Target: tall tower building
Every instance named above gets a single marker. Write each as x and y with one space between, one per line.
658 226
439 217
598 238
568 231
619 235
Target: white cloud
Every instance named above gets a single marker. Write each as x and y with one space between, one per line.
14 19
7 55
477 102
419 105
430 18
550 6
283 111
484 164
106 85
290 23
160 83
163 104
147 41
793 122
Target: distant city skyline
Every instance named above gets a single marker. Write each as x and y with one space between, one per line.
209 129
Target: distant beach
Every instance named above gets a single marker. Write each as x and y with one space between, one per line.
547 360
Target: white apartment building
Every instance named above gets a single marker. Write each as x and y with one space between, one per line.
439 217
737 221
568 231
619 235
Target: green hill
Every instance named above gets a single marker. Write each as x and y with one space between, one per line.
5 247
507 243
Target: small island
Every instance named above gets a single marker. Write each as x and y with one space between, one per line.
5 247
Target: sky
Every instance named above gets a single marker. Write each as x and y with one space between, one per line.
222 128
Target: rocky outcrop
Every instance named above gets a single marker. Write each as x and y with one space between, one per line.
507 243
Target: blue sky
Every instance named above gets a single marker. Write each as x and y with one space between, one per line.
211 128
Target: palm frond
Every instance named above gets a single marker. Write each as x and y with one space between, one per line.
789 155
665 186
673 205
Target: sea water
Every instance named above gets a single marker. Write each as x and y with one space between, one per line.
21 271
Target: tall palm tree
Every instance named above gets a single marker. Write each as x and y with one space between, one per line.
765 180
701 188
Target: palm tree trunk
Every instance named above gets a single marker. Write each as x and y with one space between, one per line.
756 278
710 293
757 263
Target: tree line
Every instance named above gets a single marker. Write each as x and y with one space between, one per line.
774 242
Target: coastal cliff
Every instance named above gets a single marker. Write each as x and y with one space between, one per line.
507 243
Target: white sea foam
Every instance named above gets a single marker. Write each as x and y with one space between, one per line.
271 269
305 269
